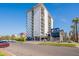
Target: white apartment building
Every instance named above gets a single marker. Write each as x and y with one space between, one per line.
39 21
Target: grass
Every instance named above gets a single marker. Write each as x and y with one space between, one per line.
59 44
2 54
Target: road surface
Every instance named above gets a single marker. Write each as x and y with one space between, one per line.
27 49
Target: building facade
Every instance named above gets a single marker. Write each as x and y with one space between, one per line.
39 21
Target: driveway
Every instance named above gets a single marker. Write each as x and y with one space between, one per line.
28 49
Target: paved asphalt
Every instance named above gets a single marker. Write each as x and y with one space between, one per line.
27 49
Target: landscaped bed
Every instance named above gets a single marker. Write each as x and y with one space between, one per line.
59 44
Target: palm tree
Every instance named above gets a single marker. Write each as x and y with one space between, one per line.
73 32
76 21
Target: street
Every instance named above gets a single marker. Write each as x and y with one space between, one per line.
27 49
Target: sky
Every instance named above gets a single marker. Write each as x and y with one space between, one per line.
13 16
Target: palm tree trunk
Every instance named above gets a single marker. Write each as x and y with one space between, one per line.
76 33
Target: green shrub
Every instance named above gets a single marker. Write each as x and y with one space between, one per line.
21 39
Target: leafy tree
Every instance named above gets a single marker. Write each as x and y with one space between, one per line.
13 37
22 37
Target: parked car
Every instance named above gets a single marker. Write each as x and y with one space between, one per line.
4 44
12 41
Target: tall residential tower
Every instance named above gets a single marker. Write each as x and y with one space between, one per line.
39 21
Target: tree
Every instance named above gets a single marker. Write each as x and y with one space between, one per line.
73 32
76 21
23 37
13 37
7 37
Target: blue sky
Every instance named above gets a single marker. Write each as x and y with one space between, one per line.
13 16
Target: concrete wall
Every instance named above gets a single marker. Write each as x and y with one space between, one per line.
37 20
46 21
28 26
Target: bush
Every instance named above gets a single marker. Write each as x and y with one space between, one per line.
21 39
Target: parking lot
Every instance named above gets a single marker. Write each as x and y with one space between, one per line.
28 49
